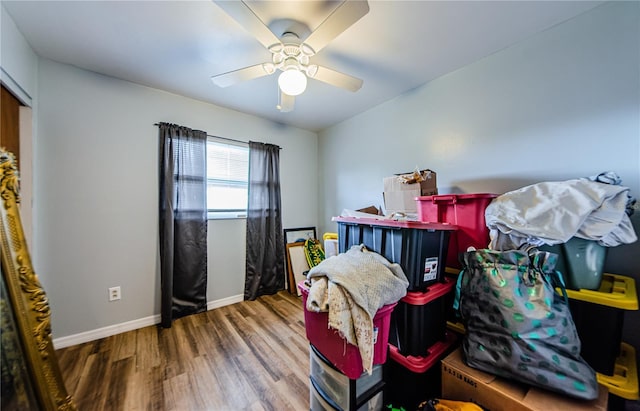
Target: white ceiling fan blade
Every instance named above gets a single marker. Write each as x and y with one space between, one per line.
240 12
236 76
343 17
335 78
285 102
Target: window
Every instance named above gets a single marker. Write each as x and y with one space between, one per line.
227 178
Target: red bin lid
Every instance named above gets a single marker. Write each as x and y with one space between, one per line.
453 198
423 364
432 293
396 224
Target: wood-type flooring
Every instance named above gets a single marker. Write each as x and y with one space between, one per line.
252 355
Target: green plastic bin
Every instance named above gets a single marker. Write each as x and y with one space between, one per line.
581 262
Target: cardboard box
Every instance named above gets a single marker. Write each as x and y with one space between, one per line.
370 210
401 197
463 383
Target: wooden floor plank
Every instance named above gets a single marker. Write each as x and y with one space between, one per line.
209 389
122 372
251 355
290 388
95 374
74 360
123 346
147 353
264 387
137 396
153 381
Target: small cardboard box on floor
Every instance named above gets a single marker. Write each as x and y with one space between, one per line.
400 197
462 383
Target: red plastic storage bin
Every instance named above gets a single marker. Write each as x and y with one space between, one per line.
344 356
420 248
466 211
420 319
411 380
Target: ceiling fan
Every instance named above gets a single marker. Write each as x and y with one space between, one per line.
292 46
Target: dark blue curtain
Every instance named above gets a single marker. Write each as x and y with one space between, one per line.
265 242
183 221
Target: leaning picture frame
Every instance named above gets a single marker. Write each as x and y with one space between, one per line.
297 266
26 326
294 235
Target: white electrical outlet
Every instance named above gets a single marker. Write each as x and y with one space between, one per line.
114 293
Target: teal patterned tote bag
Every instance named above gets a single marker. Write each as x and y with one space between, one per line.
517 325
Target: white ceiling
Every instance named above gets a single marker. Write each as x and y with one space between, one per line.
178 45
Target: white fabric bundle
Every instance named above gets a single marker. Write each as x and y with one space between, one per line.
553 212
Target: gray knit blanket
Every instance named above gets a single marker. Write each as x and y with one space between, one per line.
352 287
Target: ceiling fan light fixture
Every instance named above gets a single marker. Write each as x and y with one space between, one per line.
292 82
290 54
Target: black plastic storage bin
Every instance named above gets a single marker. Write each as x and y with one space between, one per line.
599 317
411 380
419 320
600 332
419 248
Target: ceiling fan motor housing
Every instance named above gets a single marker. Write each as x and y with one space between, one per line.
291 44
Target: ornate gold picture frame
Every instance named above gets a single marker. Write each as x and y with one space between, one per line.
30 364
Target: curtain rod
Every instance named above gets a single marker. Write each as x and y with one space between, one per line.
222 138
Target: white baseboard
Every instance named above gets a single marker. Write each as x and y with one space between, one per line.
110 330
104 332
225 301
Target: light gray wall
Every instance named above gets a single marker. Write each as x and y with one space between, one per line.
18 62
18 73
97 194
562 104
559 105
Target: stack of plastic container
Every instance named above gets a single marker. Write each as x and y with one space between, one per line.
410 380
421 250
419 339
419 320
599 319
336 372
417 343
